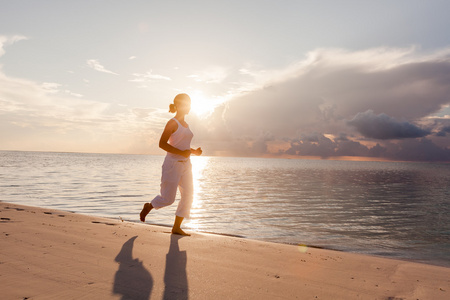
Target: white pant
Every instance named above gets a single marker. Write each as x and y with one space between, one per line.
176 173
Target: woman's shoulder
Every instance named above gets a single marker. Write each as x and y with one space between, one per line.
179 123
172 125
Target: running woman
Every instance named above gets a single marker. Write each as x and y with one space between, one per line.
177 168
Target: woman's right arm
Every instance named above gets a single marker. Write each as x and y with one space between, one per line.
170 128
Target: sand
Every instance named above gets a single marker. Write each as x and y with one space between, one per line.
49 254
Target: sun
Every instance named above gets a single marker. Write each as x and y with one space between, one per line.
202 105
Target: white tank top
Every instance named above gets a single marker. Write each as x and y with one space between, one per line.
180 139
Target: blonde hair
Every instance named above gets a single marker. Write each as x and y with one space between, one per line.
177 100
172 108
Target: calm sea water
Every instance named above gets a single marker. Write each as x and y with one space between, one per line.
397 210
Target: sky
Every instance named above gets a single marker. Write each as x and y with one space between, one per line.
322 79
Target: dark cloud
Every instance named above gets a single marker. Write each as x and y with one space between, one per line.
333 86
385 93
351 148
444 131
319 145
377 151
405 150
384 127
421 150
312 145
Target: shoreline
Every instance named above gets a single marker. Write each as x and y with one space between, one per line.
444 264
61 254
431 263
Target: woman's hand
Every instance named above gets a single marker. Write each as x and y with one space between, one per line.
197 151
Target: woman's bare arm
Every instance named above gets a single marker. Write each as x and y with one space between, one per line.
170 128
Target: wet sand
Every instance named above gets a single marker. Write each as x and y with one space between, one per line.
50 254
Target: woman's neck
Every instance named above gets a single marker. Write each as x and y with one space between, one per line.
180 117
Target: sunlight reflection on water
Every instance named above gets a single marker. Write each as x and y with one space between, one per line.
198 165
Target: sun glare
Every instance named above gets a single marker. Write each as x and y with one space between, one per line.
202 105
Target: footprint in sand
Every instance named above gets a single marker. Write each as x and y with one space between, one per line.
6 219
48 213
18 209
97 222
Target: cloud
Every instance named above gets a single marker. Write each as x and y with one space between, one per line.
148 76
384 127
210 75
316 144
9 40
380 102
142 113
390 88
44 116
68 92
420 150
444 131
313 144
21 96
51 87
94 64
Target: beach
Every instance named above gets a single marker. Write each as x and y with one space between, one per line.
393 210
51 254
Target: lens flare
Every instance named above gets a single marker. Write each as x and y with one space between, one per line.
302 248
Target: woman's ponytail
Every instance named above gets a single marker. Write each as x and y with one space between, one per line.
172 108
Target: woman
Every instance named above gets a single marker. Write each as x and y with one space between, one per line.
177 169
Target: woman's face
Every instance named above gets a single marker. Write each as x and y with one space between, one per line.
184 106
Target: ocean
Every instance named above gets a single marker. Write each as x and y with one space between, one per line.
397 210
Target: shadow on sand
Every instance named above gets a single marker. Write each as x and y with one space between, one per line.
132 280
175 276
